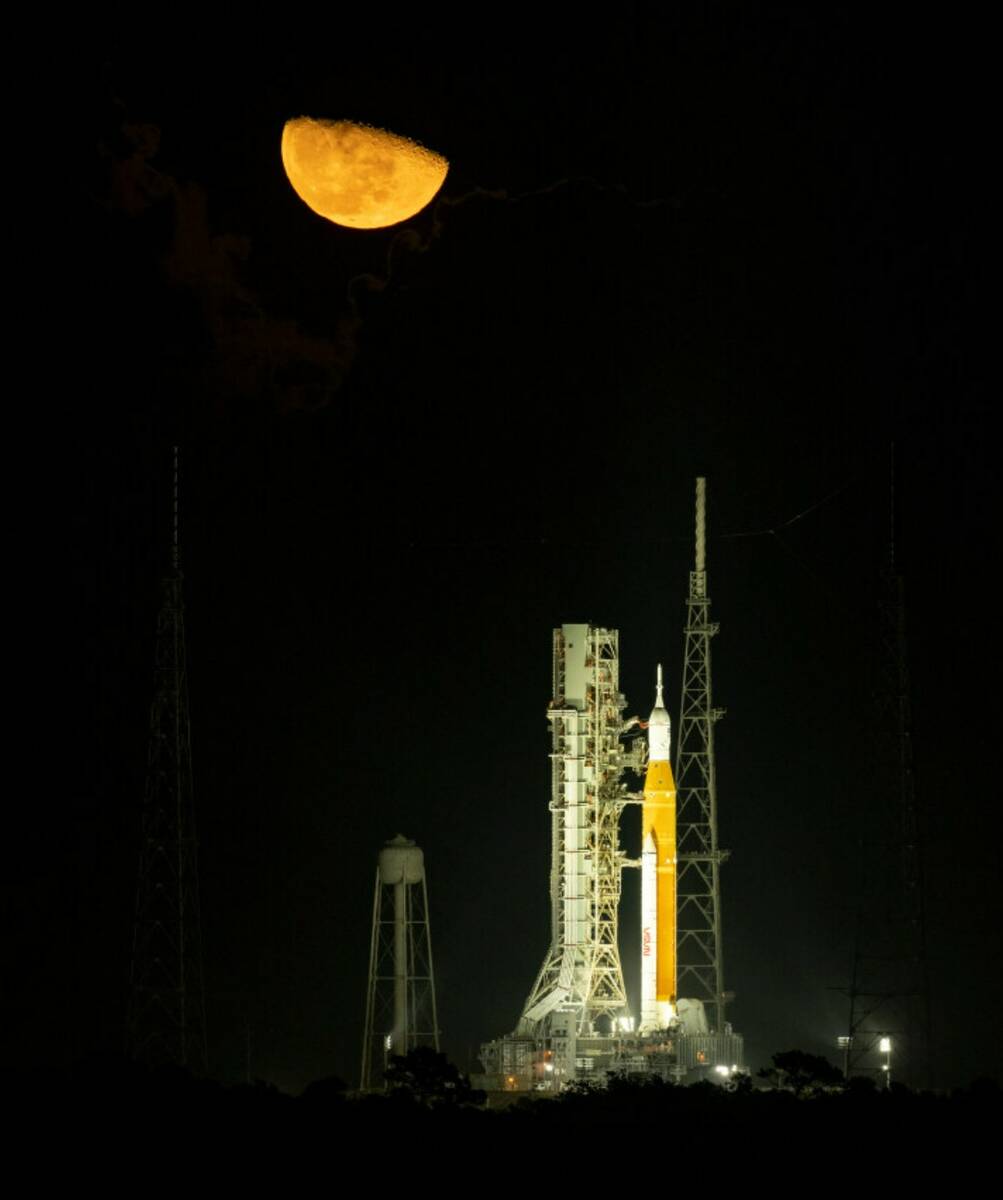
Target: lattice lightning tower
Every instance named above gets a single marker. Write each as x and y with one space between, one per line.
699 949
166 1021
889 993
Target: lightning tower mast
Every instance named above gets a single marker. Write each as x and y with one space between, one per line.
166 1018
699 948
888 994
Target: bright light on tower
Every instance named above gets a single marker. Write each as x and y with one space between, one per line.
885 1046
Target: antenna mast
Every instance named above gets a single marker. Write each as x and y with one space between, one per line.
166 1021
699 949
889 996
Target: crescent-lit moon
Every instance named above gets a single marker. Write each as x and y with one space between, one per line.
358 176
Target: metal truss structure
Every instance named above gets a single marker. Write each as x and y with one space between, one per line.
888 994
582 973
166 1016
576 1024
699 947
400 997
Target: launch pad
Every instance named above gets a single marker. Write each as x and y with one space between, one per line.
576 1024
548 1063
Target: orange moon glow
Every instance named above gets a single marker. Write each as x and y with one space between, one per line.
358 176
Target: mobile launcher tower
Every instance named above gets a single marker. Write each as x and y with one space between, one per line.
576 1024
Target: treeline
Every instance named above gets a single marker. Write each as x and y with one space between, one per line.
427 1096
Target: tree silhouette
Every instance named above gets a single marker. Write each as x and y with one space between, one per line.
430 1078
322 1093
802 1073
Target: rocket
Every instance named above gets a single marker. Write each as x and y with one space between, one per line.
658 875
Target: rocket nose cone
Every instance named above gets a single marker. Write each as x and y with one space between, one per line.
659 726
658 714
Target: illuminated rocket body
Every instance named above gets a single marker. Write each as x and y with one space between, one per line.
658 875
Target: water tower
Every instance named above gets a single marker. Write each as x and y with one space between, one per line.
400 997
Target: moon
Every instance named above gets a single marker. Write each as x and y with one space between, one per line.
359 176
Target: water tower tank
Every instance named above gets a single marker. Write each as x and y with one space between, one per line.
401 861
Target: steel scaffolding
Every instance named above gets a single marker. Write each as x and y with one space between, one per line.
582 970
888 993
166 1015
699 948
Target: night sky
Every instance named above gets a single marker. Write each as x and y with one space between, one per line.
750 247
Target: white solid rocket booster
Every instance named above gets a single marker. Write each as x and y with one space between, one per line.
658 874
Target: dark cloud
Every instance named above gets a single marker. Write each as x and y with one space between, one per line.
231 348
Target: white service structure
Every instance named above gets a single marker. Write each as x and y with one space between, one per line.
581 973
